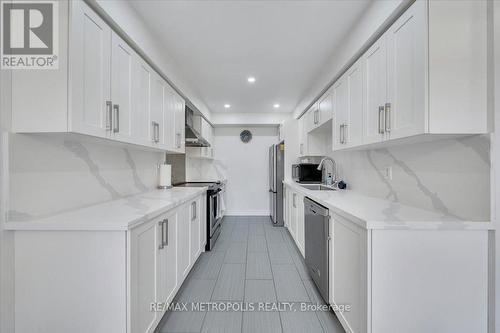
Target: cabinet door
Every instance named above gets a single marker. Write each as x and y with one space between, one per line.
90 72
194 219
325 108
141 98
156 123
375 62
293 222
203 222
341 112
302 137
300 224
144 251
407 54
184 239
353 130
169 119
311 118
350 271
167 259
180 123
122 58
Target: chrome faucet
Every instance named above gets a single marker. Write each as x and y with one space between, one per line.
334 171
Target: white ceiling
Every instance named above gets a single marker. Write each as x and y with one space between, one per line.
218 44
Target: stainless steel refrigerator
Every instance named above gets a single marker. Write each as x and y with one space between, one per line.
276 175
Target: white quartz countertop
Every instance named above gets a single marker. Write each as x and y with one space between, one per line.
122 214
374 213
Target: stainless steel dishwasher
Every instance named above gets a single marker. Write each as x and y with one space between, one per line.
316 238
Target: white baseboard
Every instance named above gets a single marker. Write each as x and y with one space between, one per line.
247 213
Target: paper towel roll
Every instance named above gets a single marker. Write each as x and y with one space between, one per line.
165 176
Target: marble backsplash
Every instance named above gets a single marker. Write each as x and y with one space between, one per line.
55 173
198 169
450 176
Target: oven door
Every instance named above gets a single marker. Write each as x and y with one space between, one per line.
214 212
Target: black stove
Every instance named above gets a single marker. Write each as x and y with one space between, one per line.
212 186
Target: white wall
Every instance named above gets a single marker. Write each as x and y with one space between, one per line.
246 167
249 119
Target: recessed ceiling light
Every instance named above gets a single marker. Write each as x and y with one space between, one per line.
276 106
251 79
227 106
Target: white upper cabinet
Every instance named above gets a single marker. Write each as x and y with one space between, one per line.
325 109
375 93
90 69
103 88
348 105
157 114
407 88
180 124
341 112
353 129
122 58
141 100
406 80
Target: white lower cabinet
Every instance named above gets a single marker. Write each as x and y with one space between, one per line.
184 241
294 204
106 281
195 234
409 280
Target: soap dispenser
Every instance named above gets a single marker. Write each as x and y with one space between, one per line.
329 179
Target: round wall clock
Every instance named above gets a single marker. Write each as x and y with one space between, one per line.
245 136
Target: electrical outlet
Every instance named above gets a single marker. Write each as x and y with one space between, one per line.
388 172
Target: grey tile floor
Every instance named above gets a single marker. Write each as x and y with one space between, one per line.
252 263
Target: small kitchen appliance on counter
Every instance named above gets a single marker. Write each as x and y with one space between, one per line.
164 176
306 173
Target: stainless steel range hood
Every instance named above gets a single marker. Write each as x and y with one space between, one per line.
193 129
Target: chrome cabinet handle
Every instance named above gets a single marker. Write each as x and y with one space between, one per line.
153 124
302 148
166 232
109 115
344 135
178 140
193 210
156 131
340 133
116 121
388 117
162 226
294 201
381 115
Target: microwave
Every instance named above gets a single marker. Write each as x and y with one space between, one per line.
306 173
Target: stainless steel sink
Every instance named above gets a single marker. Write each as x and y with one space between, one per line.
317 187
